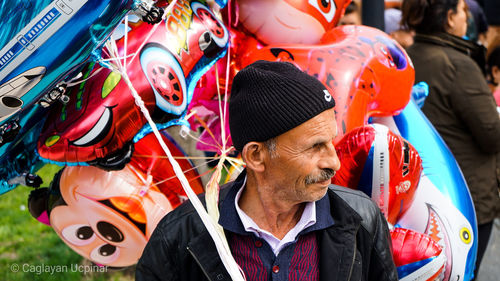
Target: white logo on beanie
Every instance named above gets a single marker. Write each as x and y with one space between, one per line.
328 97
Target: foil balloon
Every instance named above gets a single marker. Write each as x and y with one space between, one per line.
174 58
149 158
52 39
382 165
442 207
106 217
100 123
367 73
416 255
289 21
97 125
18 160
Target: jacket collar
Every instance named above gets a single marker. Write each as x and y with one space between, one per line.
337 244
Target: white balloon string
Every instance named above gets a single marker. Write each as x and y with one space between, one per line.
214 229
212 188
185 171
72 82
203 142
125 30
205 126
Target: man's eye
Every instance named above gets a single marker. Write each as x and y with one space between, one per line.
317 146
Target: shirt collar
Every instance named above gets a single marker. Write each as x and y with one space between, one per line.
307 219
230 220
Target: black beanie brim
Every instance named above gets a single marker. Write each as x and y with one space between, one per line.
271 98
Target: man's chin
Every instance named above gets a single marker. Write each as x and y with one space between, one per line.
319 191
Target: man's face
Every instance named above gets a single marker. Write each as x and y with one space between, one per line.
304 161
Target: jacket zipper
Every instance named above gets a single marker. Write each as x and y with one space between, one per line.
354 255
198 262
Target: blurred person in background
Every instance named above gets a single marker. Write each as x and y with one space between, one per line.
491 9
352 15
392 18
494 73
460 104
477 26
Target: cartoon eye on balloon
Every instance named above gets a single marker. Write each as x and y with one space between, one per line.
326 7
465 235
78 234
101 215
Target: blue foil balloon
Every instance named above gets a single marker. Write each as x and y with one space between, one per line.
53 38
443 206
18 157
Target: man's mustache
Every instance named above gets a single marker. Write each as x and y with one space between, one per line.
324 175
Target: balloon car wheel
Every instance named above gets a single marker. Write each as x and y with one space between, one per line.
164 79
211 23
216 29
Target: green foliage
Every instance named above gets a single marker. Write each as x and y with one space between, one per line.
30 250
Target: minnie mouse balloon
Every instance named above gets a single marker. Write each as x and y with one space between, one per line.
106 217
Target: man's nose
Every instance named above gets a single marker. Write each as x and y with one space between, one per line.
330 160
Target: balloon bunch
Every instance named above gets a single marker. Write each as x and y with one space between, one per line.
77 108
92 88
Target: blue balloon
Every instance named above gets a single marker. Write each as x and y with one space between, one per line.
54 38
446 199
18 158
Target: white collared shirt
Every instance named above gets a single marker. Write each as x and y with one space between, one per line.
307 219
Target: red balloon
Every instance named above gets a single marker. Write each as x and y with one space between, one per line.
370 154
409 247
101 118
151 160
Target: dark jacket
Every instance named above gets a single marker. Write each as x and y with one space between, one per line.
356 247
463 110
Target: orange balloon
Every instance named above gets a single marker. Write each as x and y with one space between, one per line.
367 72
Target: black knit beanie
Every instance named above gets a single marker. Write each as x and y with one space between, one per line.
271 98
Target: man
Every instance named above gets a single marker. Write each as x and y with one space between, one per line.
278 221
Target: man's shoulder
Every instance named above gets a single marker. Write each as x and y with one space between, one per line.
183 215
186 215
351 196
361 204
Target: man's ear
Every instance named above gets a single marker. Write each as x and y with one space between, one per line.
254 155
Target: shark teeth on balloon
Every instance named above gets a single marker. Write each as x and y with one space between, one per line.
438 232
